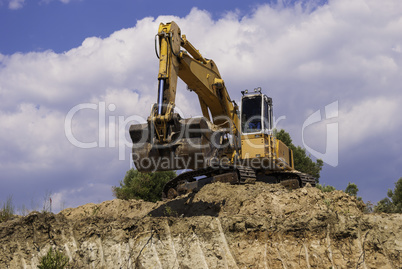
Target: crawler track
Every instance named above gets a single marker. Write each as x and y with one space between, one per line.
193 181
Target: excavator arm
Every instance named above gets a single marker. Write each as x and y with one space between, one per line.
191 142
204 79
201 76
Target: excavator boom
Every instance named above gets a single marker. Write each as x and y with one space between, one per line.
201 76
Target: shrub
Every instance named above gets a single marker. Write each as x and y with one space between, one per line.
325 188
145 186
54 259
392 203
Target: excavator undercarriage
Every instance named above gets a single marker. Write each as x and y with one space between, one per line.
193 181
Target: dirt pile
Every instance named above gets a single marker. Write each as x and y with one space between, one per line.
222 226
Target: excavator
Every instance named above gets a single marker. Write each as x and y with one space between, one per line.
227 144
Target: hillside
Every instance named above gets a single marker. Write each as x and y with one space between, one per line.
222 226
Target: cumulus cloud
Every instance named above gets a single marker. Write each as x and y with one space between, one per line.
16 4
305 57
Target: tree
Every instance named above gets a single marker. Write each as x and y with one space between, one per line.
302 161
385 205
146 186
393 203
396 196
352 189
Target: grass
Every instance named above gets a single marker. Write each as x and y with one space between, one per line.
170 212
7 210
53 259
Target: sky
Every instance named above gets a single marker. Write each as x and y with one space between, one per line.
74 74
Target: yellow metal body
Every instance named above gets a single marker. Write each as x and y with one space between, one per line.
202 76
267 147
170 39
256 146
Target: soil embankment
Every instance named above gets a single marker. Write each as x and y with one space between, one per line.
222 226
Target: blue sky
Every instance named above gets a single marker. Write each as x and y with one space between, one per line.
57 56
62 25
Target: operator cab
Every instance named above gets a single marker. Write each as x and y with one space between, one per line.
256 112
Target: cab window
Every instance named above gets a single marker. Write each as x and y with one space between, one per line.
251 114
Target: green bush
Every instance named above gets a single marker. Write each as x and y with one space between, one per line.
54 259
325 188
352 189
392 203
385 205
145 186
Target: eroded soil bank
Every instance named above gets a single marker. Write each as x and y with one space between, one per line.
222 226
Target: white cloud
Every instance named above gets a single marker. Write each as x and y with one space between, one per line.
63 1
358 123
369 119
16 4
304 58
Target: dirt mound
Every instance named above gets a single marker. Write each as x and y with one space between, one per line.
229 226
110 209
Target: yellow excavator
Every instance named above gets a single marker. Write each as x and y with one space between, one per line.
225 144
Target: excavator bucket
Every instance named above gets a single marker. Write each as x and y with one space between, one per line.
193 143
